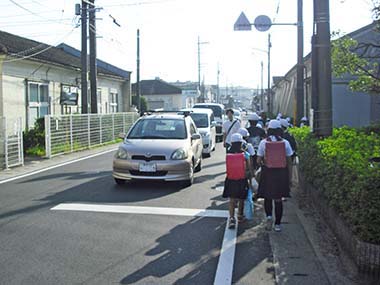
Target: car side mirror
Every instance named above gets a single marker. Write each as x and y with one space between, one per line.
195 137
122 135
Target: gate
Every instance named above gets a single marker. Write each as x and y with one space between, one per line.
11 143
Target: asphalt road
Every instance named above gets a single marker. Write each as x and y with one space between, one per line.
42 246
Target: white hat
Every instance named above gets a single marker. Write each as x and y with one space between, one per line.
259 125
288 119
244 132
284 123
236 138
279 116
304 119
274 124
253 117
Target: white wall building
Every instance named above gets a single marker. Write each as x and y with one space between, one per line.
34 76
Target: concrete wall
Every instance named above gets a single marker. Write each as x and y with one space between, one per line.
15 75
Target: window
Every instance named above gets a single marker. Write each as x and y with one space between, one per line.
113 102
69 99
38 101
158 129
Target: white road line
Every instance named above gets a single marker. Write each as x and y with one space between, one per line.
226 259
56 166
141 210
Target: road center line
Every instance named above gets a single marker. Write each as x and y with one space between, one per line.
225 266
56 166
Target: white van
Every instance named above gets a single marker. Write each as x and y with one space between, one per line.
205 121
218 110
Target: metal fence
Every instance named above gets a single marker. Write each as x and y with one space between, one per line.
69 133
11 143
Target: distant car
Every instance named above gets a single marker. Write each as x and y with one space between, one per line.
205 121
160 147
218 110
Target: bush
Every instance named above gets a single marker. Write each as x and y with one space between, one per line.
34 139
339 167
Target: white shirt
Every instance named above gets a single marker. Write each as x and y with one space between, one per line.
250 148
226 126
261 150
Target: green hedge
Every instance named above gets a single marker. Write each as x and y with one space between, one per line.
339 167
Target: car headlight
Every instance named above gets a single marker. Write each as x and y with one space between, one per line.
179 154
121 153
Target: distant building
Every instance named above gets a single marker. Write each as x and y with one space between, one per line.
350 108
190 92
160 94
36 79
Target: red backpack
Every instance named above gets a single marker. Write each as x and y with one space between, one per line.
235 163
275 156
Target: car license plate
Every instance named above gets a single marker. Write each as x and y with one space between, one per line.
147 167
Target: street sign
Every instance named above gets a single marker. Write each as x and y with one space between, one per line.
262 23
242 23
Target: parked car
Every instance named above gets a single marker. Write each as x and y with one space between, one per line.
160 147
219 114
205 121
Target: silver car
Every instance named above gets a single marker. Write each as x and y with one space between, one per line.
160 147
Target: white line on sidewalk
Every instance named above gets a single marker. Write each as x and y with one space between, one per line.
225 266
226 259
141 210
56 166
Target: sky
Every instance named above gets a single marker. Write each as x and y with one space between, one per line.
170 29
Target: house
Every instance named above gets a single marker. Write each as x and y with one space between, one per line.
160 94
36 79
354 109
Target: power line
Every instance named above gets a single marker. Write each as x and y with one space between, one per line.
138 3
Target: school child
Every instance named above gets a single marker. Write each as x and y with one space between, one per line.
274 154
236 183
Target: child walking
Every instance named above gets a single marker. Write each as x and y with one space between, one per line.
274 154
236 183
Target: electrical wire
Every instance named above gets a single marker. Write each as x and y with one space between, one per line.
138 3
277 11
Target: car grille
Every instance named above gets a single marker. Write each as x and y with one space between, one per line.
218 129
146 158
153 174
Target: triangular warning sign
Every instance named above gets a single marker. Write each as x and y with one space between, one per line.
242 23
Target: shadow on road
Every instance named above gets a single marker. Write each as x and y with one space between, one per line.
194 247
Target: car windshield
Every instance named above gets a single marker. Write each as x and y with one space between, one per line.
159 129
200 120
216 109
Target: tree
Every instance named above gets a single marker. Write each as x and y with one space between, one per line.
144 104
360 59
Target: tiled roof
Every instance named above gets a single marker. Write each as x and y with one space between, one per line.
156 87
17 46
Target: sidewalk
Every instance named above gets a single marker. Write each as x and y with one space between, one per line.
306 252
32 165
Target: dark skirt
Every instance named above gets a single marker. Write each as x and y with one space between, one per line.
274 183
236 189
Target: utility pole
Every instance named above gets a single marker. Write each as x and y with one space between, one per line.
269 87
199 69
300 64
93 79
322 45
218 89
84 87
262 86
138 72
